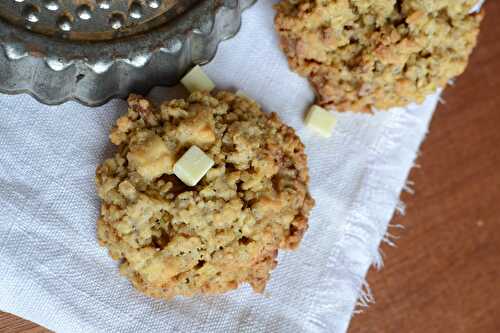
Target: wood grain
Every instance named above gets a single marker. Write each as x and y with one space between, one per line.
12 324
444 276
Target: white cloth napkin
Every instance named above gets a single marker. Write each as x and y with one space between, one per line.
53 272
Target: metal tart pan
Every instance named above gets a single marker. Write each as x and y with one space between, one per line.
94 50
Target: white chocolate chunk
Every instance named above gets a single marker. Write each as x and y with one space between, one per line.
197 80
320 120
192 166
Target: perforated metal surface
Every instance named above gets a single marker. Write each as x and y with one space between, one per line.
91 19
93 50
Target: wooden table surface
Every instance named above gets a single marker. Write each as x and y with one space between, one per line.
444 275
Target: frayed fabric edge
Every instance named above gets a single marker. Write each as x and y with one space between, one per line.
365 294
360 229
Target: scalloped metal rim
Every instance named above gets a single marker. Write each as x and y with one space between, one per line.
193 38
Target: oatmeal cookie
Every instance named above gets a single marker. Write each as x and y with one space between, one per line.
172 239
364 54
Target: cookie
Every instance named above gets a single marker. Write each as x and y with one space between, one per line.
173 239
365 54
